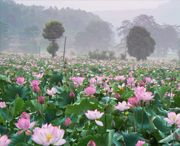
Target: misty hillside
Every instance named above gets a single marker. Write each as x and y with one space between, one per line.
22 23
166 13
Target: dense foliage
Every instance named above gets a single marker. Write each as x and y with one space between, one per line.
166 36
53 31
140 44
19 19
102 103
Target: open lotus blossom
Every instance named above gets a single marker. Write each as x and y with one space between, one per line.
173 118
94 115
48 135
4 141
90 90
131 81
24 122
77 81
140 143
2 104
51 91
20 80
122 106
142 95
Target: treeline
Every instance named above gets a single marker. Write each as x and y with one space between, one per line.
21 26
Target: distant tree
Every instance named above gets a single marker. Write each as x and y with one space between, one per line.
166 36
140 43
97 35
53 31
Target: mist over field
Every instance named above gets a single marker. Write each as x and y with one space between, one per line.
89 72
97 25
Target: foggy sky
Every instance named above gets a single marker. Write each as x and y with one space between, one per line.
115 11
98 5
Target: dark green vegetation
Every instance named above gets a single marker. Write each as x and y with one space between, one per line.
140 43
52 31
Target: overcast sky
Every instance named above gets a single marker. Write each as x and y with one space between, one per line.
98 5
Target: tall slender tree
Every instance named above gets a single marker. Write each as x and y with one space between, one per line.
52 31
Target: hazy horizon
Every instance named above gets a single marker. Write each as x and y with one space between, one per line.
115 11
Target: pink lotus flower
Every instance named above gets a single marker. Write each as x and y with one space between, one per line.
94 115
131 81
117 95
90 90
24 122
72 94
173 118
2 104
35 85
140 143
48 135
67 121
39 75
91 143
25 115
93 81
119 78
179 86
148 80
77 81
122 106
4 141
52 91
41 99
142 95
20 80
133 101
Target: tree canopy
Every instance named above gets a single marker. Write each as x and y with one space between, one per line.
140 43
